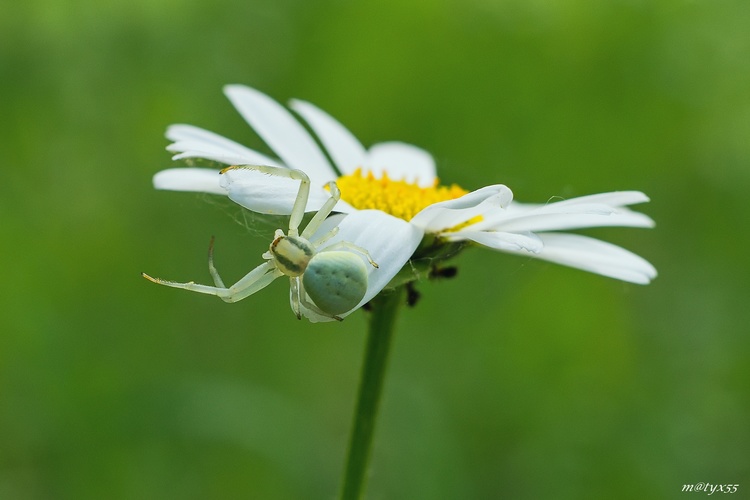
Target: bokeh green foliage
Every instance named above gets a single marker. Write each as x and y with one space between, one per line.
517 379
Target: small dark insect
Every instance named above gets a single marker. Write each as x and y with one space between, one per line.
443 272
412 295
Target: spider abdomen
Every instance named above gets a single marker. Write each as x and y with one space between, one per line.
336 281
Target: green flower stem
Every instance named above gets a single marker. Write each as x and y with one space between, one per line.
384 309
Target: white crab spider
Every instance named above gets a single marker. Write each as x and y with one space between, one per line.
334 277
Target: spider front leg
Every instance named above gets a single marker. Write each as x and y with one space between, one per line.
211 268
300 202
324 212
233 297
252 282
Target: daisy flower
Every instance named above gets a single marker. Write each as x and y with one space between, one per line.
392 203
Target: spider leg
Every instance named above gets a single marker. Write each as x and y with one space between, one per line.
330 234
255 280
214 273
311 305
217 279
346 245
298 209
324 211
294 286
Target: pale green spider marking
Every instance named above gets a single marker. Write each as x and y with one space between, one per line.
334 278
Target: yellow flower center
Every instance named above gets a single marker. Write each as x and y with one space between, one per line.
398 198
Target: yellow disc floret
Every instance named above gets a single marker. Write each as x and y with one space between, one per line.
399 198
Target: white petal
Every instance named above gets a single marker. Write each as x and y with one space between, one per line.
450 213
596 256
270 194
566 208
390 242
475 197
221 158
550 218
614 198
203 180
195 142
346 151
597 210
499 240
281 132
402 162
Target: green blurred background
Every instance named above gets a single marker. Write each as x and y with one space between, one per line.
519 379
